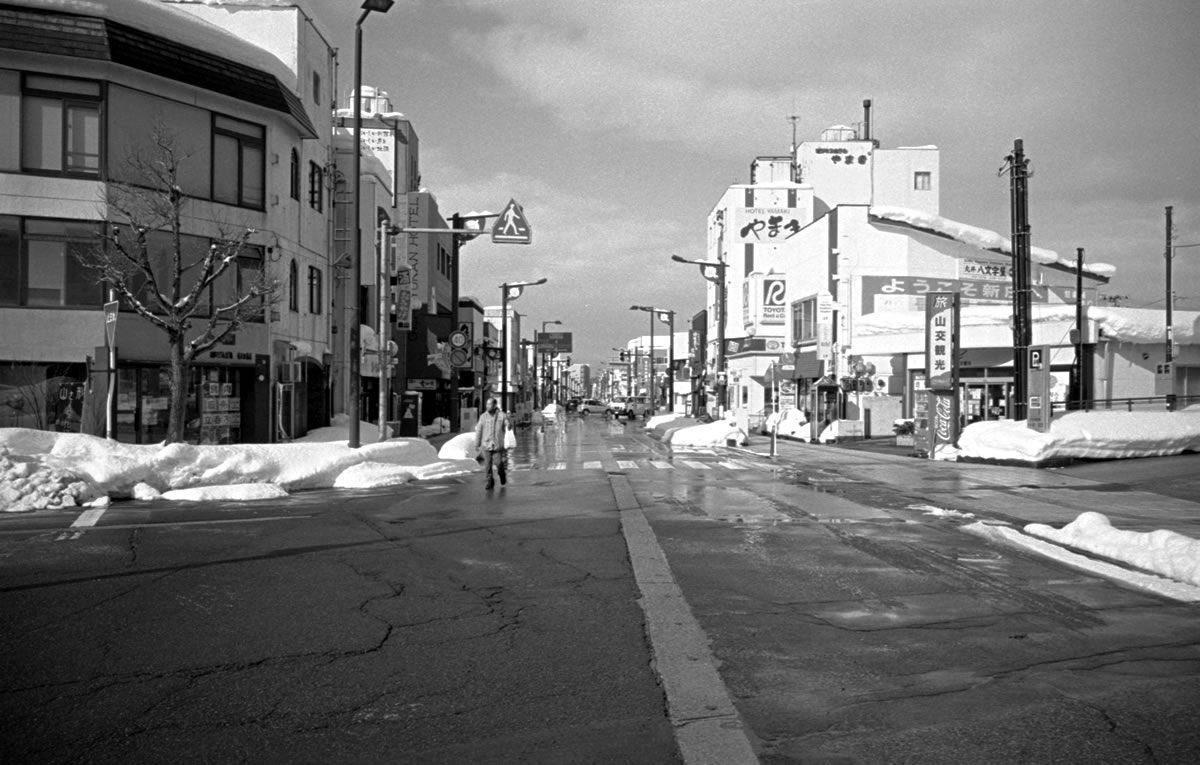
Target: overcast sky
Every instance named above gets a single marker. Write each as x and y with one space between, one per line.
619 124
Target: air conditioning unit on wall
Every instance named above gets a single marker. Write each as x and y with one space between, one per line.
291 372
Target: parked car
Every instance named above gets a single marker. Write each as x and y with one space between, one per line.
594 406
573 404
632 407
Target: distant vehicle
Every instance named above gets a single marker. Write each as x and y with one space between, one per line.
594 406
632 407
573 403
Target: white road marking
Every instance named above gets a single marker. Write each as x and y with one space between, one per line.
591 465
695 465
662 465
627 464
559 466
88 517
731 465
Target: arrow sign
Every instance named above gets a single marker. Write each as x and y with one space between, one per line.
512 227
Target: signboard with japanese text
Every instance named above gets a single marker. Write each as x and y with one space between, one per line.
987 270
825 327
941 340
381 142
767 225
907 293
1040 408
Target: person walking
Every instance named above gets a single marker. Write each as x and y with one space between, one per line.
489 442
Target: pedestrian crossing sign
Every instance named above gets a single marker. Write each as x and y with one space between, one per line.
512 227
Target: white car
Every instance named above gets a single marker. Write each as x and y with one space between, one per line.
594 406
632 406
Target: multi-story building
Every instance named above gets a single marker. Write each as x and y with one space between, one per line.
84 87
820 263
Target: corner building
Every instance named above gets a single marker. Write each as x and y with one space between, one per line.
78 92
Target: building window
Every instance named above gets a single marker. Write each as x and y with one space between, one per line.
293 287
60 126
804 320
38 263
922 181
316 187
314 290
316 88
238 169
295 175
244 275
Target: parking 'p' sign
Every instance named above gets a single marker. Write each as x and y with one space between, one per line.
1035 358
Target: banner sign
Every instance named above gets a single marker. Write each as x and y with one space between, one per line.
553 342
941 340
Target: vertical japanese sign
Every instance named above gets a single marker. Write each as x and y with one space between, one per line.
941 355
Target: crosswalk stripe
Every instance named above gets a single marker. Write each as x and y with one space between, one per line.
696 465
732 465
627 464
559 466
662 465
591 465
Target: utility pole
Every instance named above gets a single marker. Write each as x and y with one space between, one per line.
1168 253
1018 168
1079 319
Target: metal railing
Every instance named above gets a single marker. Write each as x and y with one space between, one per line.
1132 404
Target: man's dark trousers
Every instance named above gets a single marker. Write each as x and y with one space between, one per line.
498 458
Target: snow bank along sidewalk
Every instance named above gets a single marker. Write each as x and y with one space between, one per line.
40 469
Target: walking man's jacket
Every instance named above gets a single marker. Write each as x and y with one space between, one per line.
489 431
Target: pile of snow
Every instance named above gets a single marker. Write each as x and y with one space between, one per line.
982 238
790 423
460 447
40 469
662 419
1087 535
719 433
1084 435
1164 552
27 484
553 412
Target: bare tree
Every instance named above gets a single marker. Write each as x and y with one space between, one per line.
145 256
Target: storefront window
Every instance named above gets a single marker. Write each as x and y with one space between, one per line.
220 404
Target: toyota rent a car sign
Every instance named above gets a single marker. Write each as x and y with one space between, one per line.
774 301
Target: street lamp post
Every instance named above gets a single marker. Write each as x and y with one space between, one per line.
543 363
650 365
670 322
1170 319
509 290
717 278
355 366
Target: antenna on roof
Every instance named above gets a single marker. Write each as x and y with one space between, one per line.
794 118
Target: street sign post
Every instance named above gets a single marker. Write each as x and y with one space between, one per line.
111 311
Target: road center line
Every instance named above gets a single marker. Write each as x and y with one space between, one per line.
707 726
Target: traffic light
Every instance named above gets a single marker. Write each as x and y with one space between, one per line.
622 355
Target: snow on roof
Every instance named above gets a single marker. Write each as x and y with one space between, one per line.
1126 325
978 237
171 23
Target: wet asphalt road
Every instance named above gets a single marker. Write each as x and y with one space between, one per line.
436 623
